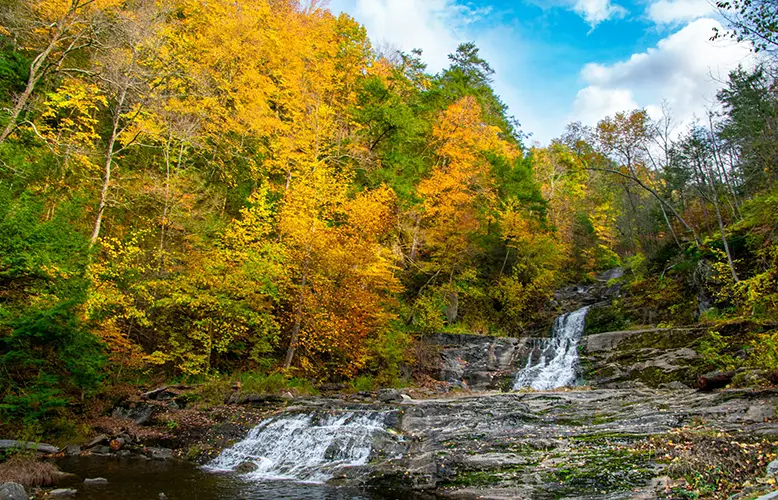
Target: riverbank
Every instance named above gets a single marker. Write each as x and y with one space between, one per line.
606 443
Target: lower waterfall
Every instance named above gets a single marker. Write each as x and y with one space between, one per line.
557 362
307 447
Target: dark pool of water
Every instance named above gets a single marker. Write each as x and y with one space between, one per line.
137 479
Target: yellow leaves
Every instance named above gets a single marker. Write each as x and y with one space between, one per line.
72 108
372 212
464 137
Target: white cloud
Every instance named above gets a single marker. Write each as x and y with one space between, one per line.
438 27
593 103
596 11
676 11
435 26
685 69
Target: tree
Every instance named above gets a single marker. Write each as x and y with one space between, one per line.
752 20
125 82
625 136
55 29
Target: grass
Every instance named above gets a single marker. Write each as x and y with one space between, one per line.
27 470
215 389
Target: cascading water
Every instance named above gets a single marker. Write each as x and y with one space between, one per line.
557 363
307 447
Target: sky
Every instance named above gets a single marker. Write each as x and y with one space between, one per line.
558 61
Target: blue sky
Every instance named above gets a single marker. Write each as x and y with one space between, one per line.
562 60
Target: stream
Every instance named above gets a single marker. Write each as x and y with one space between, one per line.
140 479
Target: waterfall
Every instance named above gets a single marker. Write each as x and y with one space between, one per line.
558 359
307 447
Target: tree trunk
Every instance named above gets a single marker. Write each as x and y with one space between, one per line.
670 226
35 75
714 192
298 316
108 166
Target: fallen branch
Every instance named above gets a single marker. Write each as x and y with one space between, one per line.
715 380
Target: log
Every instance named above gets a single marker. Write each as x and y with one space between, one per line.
714 380
6 444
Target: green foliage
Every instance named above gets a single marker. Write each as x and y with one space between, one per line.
714 351
764 352
364 383
389 353
14 70
47 353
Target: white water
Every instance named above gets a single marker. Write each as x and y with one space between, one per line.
558 360
306 446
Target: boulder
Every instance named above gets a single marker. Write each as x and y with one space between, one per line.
101 450
760 413
160 453
389 396
140 413
772 468
769 496
12 491
27 445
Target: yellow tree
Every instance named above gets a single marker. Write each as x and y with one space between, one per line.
459 195
52 29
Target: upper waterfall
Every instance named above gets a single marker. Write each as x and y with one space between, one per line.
557 362
307 446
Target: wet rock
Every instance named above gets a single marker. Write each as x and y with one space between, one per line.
254 399
101 450
480 362
12 491
772 468
246 467
389 395
759 413
159 453
62 492
674 386
72 450
95 480
162 496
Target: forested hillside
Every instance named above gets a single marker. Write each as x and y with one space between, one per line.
191 189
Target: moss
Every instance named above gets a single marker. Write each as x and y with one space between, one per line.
662 339
653 376
487 477
603 471
608 437
606 319
586 420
